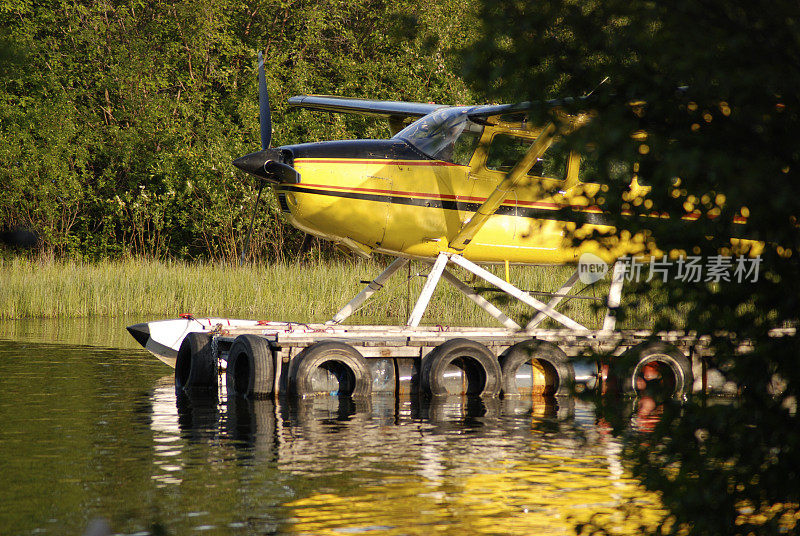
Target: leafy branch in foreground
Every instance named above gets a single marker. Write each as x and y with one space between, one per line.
701 106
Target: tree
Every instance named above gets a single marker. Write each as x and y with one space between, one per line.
118 130
701 104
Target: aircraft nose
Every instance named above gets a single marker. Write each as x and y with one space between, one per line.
268 165
140 332
253 163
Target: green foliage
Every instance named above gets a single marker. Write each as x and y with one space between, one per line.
713 86
119 120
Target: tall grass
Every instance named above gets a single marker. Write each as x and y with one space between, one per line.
301 292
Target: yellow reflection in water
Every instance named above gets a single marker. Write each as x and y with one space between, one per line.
548 495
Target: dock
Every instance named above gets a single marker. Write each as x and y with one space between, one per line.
275 358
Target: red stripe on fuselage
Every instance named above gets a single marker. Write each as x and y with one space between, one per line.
507 201
448 197
375 161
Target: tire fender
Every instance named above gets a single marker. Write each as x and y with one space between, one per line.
307 363
637 357
251 369
195 366
480 360
550 357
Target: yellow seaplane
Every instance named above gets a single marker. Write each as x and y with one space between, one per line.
454 185
463 185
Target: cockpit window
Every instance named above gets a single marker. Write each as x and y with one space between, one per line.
505 151
447 134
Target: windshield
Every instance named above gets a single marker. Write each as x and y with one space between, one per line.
447 134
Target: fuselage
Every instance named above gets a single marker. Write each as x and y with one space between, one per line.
412 194
386 196
395 197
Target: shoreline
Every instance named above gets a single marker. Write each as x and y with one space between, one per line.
296 291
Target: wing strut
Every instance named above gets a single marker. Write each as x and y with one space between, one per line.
514 178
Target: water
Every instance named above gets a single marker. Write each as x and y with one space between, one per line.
97 432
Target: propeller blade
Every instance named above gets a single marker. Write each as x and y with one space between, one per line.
263 105
250 230
269 165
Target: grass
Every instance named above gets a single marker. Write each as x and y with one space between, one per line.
301 292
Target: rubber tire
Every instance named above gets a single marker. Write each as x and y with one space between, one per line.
548 352
251 422
195 367
538 409
661 352
435 363
251 370
459 410
314 356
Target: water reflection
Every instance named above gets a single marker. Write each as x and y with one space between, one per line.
92 432
166 434
250 424
198 415
90 331
414 465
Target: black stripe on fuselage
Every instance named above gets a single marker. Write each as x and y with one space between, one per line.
563 214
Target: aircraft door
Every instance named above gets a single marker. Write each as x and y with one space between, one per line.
383 210
432 198
523 214
378 187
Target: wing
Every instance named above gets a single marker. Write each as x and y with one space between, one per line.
481 114
386 109
374 108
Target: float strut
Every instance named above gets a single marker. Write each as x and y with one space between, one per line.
614 296
561 294
522 296
427 290
496 313
374 286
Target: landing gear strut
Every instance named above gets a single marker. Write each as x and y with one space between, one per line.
439 271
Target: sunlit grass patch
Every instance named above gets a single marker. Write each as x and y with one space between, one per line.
299 291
